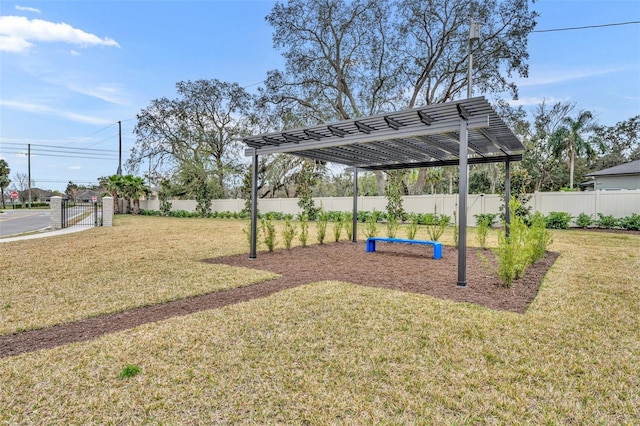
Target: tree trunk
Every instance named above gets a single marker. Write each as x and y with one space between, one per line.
420 182
380 181
571 162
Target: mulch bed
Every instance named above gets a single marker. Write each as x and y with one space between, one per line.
400 267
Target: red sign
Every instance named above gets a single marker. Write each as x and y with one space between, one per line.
14 195
95 199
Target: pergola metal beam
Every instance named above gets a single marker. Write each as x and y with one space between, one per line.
450 125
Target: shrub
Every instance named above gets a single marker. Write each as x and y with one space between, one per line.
268 233
321 226
435 230
539 238
483 223
488 218
412 227
347 221
631 223
304 230
288 232
558 220
337 227
607 221
583 220
371 228
512 252
392 226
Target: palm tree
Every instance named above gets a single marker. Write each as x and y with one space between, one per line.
568 140
134 188
114 185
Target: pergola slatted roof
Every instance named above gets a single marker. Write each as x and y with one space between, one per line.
426 136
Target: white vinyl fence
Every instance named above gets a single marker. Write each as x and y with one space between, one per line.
617 203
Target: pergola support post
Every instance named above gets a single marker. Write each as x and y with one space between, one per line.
354 235
462 205
254 205
507 196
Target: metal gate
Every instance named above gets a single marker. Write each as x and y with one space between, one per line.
80 213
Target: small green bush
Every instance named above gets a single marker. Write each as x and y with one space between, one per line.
392 227
512 253
558 220
488 218
583 220
268 233
321 226
607 221
288 232
483 223
436 229
347 221
304 230
539 238
631 223
337 227
371 227
412 227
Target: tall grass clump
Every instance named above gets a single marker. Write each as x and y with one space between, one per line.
288 232
347 223
338 224
483 223
436 229
392 226
268 233
412 227
371 226
321 226
304 230
513 254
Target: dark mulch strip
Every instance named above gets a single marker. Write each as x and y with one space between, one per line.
394 266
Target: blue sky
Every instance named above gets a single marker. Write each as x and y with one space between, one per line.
70 70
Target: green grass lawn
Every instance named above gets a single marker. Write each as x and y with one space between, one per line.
327 352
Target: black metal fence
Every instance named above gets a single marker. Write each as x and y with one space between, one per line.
77 213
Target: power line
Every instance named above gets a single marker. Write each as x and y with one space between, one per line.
61 148
586 27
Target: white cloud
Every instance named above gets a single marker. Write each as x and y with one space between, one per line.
28 9
556 76
74 52
534 100
44 109
75 167
103 92
17 33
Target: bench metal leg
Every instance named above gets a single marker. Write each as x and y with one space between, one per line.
437 251
371 246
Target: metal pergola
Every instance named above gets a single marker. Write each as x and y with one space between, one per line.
454 133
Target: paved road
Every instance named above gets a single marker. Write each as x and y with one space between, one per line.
14 222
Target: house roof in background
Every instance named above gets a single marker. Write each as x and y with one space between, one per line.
631 168
426 136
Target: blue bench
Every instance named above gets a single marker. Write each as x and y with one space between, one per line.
437 246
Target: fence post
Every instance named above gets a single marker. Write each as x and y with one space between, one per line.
55 204
107 211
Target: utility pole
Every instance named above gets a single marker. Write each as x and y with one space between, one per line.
29 172
119 148
474 34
